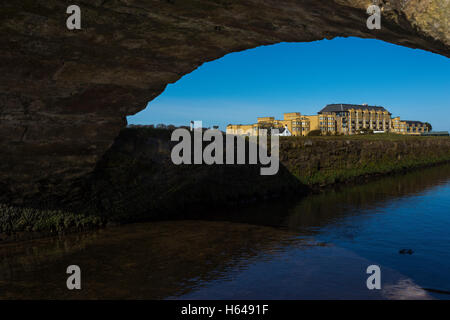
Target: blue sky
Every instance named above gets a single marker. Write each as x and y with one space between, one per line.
304 77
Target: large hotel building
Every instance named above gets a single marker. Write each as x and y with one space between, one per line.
344 119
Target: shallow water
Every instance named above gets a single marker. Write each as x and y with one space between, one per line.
318 247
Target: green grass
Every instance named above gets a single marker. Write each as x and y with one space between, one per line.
367 137
23 219
323 178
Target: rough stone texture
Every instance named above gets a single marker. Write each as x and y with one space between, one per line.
65 95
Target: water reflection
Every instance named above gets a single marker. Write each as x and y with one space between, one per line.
312 213
154 260
316 247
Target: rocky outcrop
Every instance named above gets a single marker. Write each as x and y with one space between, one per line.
65 95
136 180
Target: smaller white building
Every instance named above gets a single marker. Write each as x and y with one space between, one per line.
283 132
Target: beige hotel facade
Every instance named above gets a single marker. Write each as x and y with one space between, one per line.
347 119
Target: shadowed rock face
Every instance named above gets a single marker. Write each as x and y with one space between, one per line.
64 95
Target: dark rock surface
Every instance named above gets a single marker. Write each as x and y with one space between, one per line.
65 95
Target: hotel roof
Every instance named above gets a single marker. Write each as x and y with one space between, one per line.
345 107
414 122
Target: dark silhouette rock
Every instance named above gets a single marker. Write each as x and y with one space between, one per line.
406 251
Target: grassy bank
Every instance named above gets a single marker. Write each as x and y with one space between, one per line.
136 180
322 161
27 223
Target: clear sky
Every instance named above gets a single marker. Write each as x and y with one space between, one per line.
304 77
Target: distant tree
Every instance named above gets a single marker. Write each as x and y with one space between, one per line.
215 127
314 133
429 126
161 126
171 127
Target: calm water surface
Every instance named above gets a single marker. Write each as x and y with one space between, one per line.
318 247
